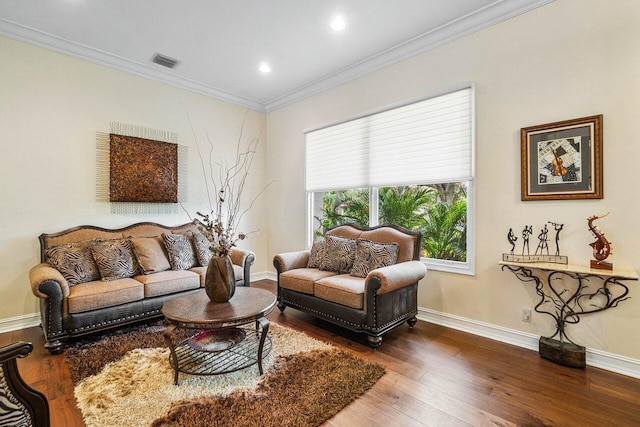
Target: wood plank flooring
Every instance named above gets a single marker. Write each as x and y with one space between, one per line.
435 377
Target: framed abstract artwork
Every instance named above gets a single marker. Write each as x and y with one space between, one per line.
143 170
562 160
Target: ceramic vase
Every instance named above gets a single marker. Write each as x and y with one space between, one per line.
220 280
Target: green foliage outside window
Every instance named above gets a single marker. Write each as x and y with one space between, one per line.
439 211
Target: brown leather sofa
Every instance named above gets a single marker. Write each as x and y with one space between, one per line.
384 298
69 309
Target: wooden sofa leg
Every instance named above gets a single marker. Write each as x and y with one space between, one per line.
281 306
374 342
53 346
412 321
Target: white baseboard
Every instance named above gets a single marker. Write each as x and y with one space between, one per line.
596 358
269 275
19 322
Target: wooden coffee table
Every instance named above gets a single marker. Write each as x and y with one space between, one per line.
219 345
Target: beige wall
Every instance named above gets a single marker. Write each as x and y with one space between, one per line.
51 106
568 59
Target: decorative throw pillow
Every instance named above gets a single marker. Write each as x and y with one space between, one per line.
317 252
371 255
340 253
150 254
115 259
202 246
74 261
180 250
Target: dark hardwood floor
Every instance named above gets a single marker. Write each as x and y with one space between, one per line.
435 377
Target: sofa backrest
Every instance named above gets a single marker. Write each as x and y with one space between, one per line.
88 232
408 241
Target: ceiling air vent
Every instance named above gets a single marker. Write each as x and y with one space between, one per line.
165 61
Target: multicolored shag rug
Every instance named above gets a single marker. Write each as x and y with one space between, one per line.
124 378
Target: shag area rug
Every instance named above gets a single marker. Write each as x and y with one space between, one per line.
124 379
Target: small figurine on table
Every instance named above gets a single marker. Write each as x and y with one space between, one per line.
512 239
601 247
543 240
558 228
528 231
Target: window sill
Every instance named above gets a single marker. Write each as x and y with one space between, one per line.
449 266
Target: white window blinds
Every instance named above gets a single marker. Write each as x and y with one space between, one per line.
426 142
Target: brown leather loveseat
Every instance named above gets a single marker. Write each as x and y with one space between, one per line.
365 280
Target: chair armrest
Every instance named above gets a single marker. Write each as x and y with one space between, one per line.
15 350
42 273
240 257
244 259
397 275
291 260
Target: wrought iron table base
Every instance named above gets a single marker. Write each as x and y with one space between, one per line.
251 350
566 303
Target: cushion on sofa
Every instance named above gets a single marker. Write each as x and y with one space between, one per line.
316 254
202 247
342 289
180 251
115 259
406 243
74 261
98 294
238 273
339 254
151 254
371 255
168 282
302 279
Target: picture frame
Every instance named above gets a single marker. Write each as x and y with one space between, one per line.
562 160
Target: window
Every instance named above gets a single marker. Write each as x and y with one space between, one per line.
410 165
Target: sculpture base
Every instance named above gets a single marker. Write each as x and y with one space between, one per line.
562 353
601 265
556 259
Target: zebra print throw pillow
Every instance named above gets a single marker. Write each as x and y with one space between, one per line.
74 261
317 252
371 255
203 248
180 250
115 259
339 254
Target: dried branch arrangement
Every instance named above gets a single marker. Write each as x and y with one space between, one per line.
225 183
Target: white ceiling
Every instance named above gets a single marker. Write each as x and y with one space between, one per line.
221 43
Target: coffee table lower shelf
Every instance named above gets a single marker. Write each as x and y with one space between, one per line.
240 356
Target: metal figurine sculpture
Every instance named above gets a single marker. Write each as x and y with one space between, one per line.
542 247
601 247
543 241
526 232
558 228
512 239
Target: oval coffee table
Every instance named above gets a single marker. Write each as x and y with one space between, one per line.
218 345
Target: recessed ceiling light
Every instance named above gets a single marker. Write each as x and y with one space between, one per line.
338 23
265 68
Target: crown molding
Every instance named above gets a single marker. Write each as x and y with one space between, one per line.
492 14
57 44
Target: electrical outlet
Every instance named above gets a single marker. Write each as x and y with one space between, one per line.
526 315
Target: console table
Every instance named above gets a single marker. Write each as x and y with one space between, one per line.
567 292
